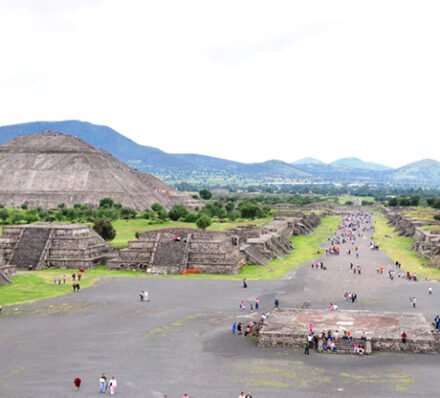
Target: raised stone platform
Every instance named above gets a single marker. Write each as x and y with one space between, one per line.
36 246
289 327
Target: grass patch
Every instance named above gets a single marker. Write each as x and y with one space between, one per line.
397 248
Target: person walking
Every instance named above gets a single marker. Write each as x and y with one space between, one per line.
102 383
77 383
245 283
414 302
234 327
277 303
257 304
112 385
430 290
306 348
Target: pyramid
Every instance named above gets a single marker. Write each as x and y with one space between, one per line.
49 168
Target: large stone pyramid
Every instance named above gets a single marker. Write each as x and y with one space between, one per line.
49 168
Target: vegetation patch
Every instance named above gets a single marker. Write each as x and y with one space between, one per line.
397 248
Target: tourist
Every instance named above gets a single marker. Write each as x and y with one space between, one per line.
257 304
239 328
306 348
241 395
430 290
277 303
245 283
185 395
414 302
73 276
141 295
102 383
248 395
310 328
404 337
55 281
77 383
146 296
79 277
64 279
112 385
234 327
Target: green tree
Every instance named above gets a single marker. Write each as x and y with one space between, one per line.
205 194
106 202
393 202
4 214
157 207
178 211
104 227
204 221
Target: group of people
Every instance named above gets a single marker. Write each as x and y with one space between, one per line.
248 395
319 265
143 296
349 296
104 384
57 281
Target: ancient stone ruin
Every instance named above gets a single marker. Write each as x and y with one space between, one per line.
37 246
288 327
50 168
427 243
178 250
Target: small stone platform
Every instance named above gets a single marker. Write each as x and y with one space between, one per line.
289 327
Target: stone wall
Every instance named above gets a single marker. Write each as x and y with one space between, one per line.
53 245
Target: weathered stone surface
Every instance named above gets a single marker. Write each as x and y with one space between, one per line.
49 168
289 327
37 246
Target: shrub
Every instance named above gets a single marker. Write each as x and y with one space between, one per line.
204 221
178 211
205 194
104 227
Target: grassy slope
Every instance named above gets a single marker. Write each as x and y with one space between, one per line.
397 248
31 286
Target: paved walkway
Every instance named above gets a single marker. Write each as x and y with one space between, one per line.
181 341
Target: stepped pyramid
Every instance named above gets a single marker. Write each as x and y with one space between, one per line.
49 168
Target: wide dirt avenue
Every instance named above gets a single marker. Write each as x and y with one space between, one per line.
181 341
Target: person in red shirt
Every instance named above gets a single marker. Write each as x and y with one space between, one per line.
77 383
404 337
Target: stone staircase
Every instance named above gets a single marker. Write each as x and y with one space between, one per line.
28 251
170 253
254 255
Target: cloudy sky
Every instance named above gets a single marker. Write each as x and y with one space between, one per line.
242 80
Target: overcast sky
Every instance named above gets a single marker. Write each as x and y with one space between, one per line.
242 80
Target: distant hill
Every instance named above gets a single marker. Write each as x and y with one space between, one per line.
425 171
355 163
307 161
194 168
169 167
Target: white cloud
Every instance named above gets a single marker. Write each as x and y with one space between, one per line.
246 80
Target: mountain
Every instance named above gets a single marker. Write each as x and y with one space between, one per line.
201 169
355 163
307 161
426 171
169 167
49 168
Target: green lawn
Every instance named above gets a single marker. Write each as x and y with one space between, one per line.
397 248
35 285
